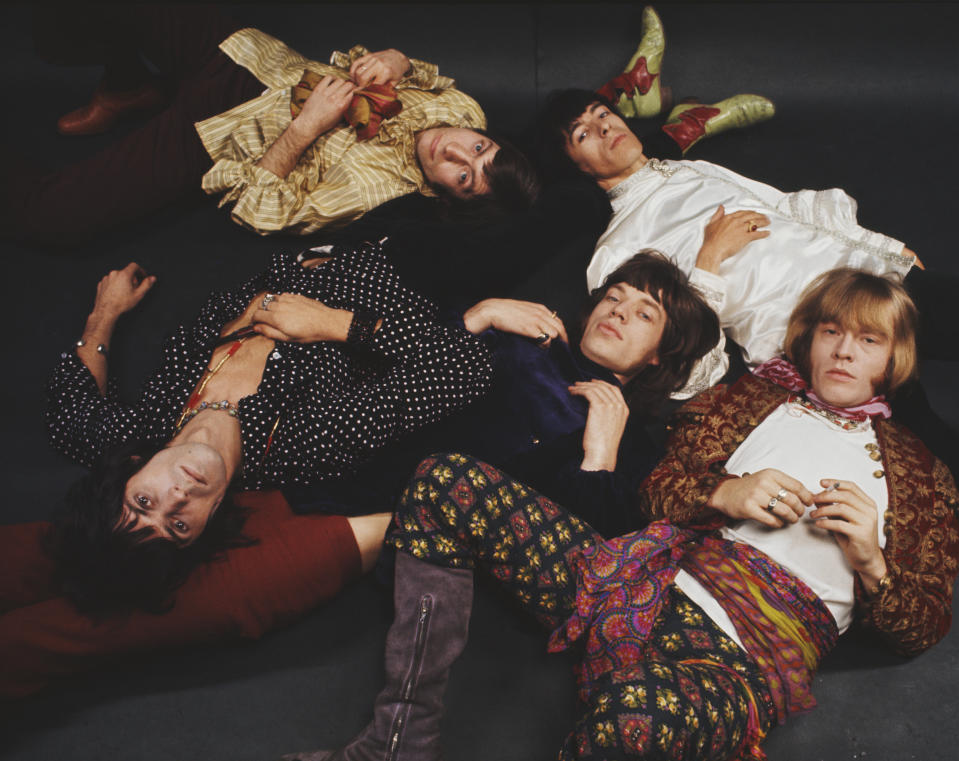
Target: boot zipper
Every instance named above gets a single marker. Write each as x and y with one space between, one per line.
406 694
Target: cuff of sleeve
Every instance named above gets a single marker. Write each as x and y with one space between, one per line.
424 76
711 286
71 373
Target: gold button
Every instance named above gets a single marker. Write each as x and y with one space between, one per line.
887 529
872 447
887 516
878 473
875 456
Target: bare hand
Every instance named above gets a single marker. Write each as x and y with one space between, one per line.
727 235
749 497
295 318
121 290
379 68
605 423
524 318
325 107
851 516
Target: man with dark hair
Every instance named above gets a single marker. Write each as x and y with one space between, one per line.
323 144
569 419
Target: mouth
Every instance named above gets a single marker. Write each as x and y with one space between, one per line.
840 375
193 474
617 140
433 145
607 329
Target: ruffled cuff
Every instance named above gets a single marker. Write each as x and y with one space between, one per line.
262 201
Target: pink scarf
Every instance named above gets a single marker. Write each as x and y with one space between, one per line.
784 373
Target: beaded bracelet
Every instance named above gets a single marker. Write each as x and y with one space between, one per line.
361 328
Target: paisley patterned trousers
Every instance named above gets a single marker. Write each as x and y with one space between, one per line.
688 694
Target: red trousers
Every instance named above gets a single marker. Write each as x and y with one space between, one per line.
299 562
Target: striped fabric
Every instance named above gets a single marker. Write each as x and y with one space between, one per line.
337 179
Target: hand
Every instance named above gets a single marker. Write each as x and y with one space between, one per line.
906 251
605 423
325 107
379 68
524 318
295 318
845 510
748 497
727 235
119 291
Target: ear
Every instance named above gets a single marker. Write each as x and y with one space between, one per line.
654 361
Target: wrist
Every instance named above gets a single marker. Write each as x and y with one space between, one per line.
99 327
876 578
709 259
475 319
595 461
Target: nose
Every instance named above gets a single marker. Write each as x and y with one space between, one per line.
179 493
618 311
844 345
456 152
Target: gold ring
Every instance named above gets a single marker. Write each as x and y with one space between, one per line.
753 227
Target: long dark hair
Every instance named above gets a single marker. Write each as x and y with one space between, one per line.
105 568
691 328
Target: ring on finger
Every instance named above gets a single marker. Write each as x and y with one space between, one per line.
553 314
267 300
542 338
772 504
781 494
752 227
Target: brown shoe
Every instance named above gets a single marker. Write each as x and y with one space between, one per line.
105 109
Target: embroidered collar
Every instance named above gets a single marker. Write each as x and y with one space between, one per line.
639 176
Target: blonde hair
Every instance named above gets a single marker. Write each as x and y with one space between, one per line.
855 299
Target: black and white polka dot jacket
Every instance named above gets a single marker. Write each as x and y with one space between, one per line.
319 410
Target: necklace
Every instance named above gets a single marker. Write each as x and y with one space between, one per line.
194 406
847 424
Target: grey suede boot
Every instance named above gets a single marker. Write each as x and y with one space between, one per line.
429 631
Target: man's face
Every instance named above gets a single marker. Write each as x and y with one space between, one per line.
454 158
847 364
623 331
175 493
602 146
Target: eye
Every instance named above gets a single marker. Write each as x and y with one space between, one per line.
141 500
611 297
645 316
581 136
464 176
478 148
603 114
180 526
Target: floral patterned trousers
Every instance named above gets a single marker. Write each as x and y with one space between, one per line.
690 692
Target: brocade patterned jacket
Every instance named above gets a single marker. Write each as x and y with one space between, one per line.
911 613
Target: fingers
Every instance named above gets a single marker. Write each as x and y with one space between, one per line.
779 497
369 69
599 392
269 331
540 323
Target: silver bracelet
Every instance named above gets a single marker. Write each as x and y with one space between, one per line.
101 348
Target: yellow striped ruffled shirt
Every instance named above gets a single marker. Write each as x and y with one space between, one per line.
337 179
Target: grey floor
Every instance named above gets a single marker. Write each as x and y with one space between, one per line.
867 97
